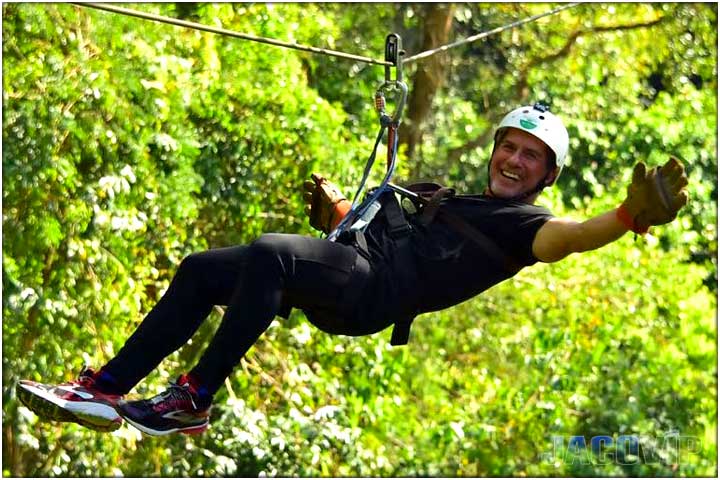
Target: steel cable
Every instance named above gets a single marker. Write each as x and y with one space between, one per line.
229 33
482 35
324 51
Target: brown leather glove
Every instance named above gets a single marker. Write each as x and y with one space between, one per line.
324 203
654 196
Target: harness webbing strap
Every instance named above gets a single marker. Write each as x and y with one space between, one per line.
487 244
399 231
433 205
401 332
431 209
398 226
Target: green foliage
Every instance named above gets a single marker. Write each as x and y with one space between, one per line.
127 145
633 81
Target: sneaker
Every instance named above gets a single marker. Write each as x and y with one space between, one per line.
77 401
177 409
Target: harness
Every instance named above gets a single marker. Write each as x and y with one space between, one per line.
426 198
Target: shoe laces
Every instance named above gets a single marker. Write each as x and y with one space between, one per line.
86 377
177 397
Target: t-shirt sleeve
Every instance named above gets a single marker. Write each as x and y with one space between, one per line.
512 225
518 228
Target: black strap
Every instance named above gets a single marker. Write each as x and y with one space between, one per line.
431 194
398 226
433 205
401 332
482 240
399 231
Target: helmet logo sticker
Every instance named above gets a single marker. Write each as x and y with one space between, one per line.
529 124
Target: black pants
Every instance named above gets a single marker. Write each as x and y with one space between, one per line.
255 282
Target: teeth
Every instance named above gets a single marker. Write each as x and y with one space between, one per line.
510 175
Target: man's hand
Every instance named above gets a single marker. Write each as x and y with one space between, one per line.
654 197
324 203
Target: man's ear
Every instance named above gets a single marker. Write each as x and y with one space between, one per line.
552 176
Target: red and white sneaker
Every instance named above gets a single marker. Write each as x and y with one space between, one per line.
77 401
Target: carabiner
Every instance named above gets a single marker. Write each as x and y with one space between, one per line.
393 54
401 91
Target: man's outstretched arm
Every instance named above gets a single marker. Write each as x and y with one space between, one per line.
654 198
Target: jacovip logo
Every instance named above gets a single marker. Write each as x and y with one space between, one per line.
668 449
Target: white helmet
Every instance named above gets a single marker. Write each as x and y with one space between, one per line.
540 123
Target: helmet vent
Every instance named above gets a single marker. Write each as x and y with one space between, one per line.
542 117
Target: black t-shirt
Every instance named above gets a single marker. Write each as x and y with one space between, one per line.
452 267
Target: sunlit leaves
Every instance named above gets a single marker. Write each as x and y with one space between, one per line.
128 145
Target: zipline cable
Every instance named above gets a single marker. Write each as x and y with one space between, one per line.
324 51
482 35
230 33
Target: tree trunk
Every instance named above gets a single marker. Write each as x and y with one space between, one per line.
187 11
429 76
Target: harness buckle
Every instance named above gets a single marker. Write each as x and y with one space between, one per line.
399 231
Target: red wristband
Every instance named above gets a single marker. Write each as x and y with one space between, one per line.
340 209
624 216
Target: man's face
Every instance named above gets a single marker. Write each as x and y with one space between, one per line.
519 163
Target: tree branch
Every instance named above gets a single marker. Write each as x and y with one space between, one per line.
522 86
454 154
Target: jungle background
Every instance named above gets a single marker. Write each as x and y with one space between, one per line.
129 144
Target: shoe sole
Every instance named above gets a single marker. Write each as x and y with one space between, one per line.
193 430
95 416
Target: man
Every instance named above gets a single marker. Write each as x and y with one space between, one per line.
404 264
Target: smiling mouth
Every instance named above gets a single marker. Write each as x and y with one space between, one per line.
510 175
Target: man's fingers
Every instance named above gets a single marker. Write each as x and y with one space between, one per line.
674 163
672 173
681 199
674 178
678 199
675 183
656 195
639 172
317 178
680 183
673 168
